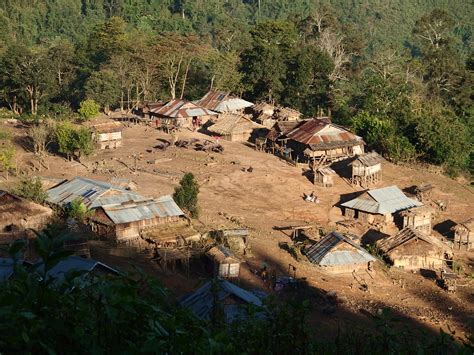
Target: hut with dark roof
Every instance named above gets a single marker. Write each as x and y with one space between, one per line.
320 142
411 249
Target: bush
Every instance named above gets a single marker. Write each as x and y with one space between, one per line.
88 109
186 194
78 210
31 189
73 141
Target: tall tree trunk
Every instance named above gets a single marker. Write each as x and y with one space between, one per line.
121 101
185 78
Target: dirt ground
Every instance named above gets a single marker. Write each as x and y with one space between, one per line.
271 196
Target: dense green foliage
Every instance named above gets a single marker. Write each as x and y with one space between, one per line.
31 189
405 64
130 314
72 140
186 194
88 109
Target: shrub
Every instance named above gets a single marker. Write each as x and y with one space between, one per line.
31 189
78 210
186 194
88 109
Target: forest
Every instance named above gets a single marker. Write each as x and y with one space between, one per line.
399 73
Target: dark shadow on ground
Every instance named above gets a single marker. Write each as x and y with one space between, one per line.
444 228
371 236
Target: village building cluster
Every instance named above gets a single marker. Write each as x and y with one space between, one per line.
328 152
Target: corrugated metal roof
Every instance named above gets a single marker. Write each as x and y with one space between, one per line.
120 205
201 301
142 210
328 251
319 133
385 200
221 101
179 108
74 263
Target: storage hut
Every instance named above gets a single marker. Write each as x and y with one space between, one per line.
424 192
106 133
324 177
464 235
286 114
367 169
119 214
221 102
411 249
337 253
18 215
226 264
378 206
419 218
181 113
232 298
318 141
234 127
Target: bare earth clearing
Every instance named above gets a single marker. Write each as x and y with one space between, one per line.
271 195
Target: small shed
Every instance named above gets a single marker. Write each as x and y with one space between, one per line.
226 264
337 253
419 218
106 133
464 235
411 249
233 301
367 169
424 192
234 127
378 205
324 177
287 114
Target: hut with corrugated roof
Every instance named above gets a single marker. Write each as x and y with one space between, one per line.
464 235
411 249
234 127
118 214
226 264
379 206
223 102
319 142
181 113
367 169
338 254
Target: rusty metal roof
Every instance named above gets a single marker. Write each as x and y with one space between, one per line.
179 108
319 133
221 101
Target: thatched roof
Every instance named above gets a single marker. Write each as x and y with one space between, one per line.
230 123
18 211
406 235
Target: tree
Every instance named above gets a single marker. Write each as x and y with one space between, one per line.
7 152
107 39
104 88
41 135
88 109
186 194
78 210
225 71
73 141
31 189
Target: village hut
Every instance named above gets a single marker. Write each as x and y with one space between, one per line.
324 177
181 113
263 114
419 218
367 169
118 214
287 114
232 299
464 235
336 253
379 206
226 264
424 192
18 215
319 142
234 127
146 110
411 249
106 133
223 102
